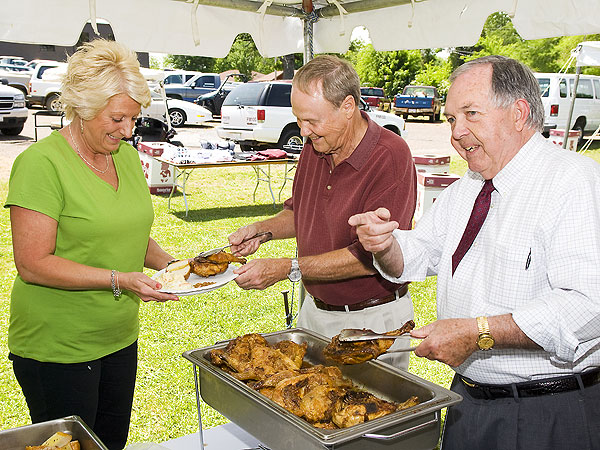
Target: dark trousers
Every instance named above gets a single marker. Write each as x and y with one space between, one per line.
564 421
99 391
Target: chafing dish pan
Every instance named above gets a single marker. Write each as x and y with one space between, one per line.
18 438
415 428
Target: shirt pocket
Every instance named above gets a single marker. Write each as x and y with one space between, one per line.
512 275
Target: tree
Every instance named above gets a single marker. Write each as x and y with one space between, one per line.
389 70
435 73
186 62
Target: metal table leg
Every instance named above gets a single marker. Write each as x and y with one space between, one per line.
184 174
258 171
286 176
197 383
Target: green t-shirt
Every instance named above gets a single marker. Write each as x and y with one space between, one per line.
98 227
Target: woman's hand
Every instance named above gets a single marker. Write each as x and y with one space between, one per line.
144 287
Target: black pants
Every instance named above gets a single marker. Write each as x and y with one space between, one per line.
565 421
99 391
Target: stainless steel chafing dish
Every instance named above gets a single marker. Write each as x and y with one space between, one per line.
18 438
415 428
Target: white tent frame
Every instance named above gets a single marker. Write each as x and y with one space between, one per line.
586 54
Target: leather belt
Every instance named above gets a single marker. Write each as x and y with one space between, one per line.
400 292
536 388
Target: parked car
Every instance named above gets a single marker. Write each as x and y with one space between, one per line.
16 78
259 114
15 60
195 86
418 101
13 113
556 99
372 95
45 91
214 100
180 112
178 76
16 68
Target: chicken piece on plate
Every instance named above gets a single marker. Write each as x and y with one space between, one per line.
222 257
214 264
357 352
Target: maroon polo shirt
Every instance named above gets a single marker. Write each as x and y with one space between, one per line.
379 173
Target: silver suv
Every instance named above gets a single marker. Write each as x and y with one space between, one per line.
257 115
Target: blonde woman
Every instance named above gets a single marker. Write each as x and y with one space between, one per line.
81 216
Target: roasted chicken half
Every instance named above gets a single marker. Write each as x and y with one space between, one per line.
360 351
214 264
319 394
250 357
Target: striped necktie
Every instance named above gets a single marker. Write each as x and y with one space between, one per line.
478 215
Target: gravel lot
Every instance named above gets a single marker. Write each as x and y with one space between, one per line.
422 137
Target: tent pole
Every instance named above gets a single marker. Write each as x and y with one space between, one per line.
573 97
308 20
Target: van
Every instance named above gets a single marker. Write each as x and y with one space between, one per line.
556 98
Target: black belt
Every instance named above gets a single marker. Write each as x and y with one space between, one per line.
536 388
401 292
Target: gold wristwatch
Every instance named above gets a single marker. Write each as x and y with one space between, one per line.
485 340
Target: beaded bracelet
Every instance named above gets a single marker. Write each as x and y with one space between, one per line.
114 283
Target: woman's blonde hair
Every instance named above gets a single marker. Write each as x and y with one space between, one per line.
97 71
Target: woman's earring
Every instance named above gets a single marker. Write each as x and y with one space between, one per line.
81 125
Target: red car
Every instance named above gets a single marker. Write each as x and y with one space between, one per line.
372 95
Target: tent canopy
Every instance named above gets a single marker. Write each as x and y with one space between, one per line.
209 27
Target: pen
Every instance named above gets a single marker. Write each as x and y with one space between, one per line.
528 260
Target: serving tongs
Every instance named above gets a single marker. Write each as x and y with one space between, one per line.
264 235
358 334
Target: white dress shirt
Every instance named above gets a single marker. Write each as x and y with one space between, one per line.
537 256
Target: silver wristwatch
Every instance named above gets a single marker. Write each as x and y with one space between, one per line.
295 274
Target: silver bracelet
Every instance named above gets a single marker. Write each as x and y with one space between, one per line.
114 283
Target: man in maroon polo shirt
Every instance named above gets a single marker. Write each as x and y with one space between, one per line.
348 165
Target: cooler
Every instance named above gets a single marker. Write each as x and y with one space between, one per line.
432 163
558 137
159 175
429 187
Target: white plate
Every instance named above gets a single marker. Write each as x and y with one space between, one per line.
218 281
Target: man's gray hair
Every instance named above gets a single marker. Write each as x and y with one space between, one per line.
511 80
337 77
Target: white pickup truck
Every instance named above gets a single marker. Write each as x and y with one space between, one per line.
13 112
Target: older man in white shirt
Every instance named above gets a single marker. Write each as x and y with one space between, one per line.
518 266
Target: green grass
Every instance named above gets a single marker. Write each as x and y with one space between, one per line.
164 405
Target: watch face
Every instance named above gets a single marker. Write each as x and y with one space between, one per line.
485 342
295 275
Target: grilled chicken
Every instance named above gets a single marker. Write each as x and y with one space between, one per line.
214 264
357 352
250 357
319 394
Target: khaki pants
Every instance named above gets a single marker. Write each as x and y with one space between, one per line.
387 317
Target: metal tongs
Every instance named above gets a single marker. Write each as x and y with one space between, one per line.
265 235
356 334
